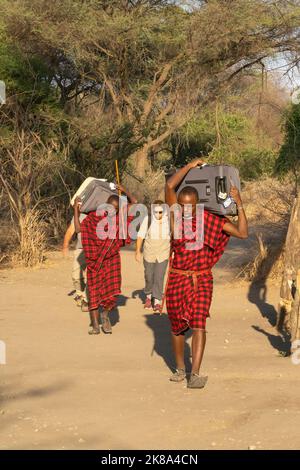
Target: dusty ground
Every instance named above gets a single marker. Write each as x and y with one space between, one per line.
62 389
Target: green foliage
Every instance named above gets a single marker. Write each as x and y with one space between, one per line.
238 143
255 163
29 77
96 154
289 156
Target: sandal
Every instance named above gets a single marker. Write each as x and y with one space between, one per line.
94 330
84 306
78 300
178 376
197 381
106 325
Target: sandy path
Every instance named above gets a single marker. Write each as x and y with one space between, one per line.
62 389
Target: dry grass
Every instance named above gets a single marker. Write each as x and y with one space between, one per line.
268 200
32 240
252 269
268 204
267 264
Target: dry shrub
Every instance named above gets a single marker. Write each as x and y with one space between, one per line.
277 267
251 270
30 164
32 240
267 264
268 203
3 258
268 199
57 217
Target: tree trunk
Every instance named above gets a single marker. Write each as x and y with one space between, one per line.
141 161
290 284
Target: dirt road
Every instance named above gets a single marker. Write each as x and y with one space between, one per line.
62 389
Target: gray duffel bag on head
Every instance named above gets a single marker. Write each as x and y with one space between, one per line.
213 183
96 193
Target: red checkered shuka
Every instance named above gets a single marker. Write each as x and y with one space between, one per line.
103 260
186 307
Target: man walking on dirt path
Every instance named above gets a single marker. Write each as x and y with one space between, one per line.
190 286
79 265
102 254
155 234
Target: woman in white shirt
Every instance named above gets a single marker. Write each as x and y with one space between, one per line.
155 234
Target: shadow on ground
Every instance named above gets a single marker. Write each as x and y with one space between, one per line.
281 342
258 295
140 294
162 346
8 394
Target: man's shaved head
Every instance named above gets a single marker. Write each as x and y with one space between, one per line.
190 192
114 200
188 195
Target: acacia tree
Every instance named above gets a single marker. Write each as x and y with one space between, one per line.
150 64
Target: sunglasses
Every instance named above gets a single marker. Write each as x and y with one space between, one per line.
158 212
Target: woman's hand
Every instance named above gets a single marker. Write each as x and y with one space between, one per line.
138 256
235 194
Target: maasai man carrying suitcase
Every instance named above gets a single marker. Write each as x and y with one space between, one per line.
190 286
102 254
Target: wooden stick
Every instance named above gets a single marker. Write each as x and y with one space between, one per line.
117 173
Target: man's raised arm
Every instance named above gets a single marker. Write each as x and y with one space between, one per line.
175 180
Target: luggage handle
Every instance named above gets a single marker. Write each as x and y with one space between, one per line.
221 188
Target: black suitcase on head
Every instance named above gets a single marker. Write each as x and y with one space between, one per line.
213 184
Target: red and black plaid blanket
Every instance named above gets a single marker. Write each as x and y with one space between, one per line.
103 261
186 307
